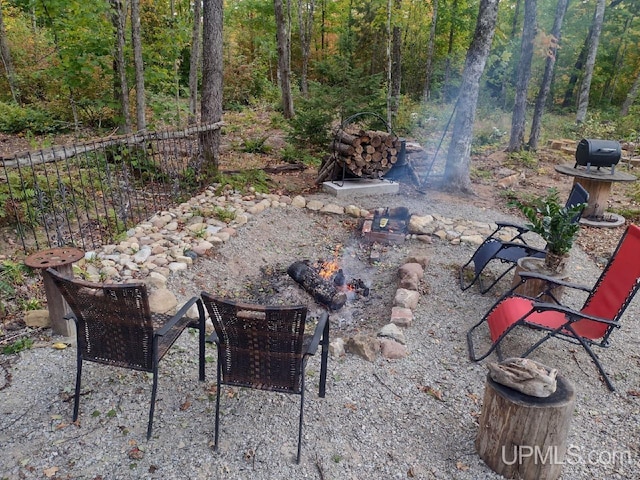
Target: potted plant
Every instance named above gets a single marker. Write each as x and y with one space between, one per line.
556 223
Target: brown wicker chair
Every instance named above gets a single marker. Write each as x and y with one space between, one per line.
116 327
264 347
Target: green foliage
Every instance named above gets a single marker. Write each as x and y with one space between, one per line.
524 157
16 119
224 215
242 181
17 346
554 222
256 145
292 154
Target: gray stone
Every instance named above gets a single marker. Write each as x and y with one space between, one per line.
406 298
314 205
299 201
392 331
142 255
332 208
163 300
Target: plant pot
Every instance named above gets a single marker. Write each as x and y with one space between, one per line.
534 288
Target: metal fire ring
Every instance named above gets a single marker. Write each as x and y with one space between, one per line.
54 257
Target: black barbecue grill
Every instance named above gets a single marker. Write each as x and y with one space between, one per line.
598 153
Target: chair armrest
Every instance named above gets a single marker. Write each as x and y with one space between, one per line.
544 306
555 281
181 313
315 341
531 251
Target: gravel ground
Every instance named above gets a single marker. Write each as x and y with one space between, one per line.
409 418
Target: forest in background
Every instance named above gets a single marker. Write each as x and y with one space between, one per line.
345 57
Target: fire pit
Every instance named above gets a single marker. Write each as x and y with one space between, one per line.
386 225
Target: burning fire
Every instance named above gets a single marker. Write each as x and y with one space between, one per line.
328 269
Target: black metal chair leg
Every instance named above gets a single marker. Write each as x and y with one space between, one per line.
300 423
324 358
154 389
217 423
76 400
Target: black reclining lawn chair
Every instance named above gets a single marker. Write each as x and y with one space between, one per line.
589 326
509 252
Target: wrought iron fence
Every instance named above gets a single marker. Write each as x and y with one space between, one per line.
85 194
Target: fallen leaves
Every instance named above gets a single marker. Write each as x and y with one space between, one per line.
50 472
437 394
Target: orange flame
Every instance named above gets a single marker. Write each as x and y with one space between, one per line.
329 269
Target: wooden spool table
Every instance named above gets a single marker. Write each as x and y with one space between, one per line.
525 437
61 259
598 183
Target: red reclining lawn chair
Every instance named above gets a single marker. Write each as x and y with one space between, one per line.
592 325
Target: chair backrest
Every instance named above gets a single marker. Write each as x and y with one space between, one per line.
577 195
260 346
113 321
616 286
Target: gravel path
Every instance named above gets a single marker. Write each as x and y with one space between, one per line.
410 418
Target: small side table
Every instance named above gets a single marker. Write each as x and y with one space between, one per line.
598 183
61 259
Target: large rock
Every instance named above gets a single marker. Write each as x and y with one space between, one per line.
421 225
37 318
163 300
406 298
392 331
402 317
392 350
364 346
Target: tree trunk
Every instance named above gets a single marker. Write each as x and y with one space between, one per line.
518 119
305 24
456 175
585 87
121 87
543 94
284 58
7 62
577 70
447 68
430 47
322 290
136 41
396 63
631 97
211 107
194 62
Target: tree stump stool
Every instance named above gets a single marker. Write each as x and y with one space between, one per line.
534 287
525 437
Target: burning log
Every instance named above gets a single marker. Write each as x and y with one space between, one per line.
323 292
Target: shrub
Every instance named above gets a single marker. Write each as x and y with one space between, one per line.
16 119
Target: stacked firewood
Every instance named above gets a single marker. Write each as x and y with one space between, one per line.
364 153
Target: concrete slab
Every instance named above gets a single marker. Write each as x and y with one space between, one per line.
363 186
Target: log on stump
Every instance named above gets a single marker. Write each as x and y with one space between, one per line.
323 292
525 437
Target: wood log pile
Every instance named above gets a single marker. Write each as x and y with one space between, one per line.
364 153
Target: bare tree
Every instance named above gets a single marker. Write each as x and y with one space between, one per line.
283 39
430 47
518 119
305 24
194 62
396 61
585 87
211 107
121 88
545 87
456 175
7 62
631 97
136 41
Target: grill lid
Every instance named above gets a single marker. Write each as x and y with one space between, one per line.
598 153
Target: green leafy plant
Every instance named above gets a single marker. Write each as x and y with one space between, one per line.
17 346
256 145
554 222
224 215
